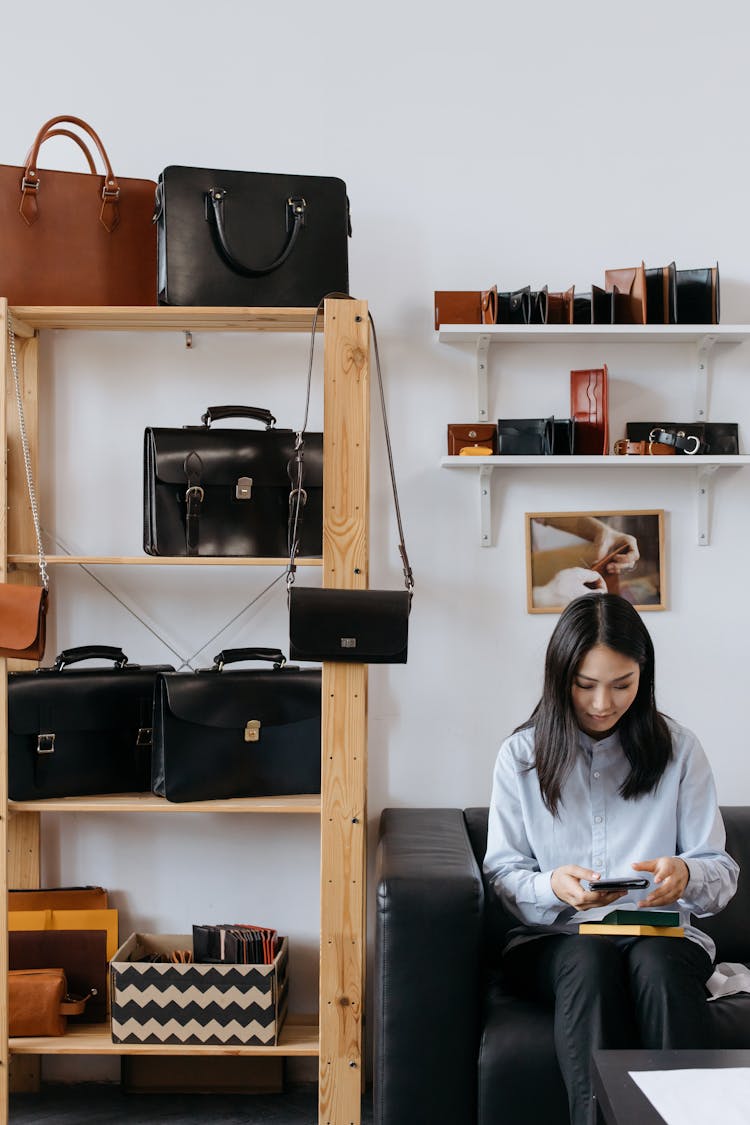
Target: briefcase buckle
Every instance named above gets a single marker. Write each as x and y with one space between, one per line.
252 730
45 743
243 489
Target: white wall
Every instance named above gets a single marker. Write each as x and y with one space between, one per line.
534 143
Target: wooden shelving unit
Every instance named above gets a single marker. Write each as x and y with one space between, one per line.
335 1034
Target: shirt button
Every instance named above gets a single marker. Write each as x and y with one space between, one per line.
597 820
596 773
597 861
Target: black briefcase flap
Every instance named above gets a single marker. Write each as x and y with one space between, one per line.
228 700
355 626
79 700
262 455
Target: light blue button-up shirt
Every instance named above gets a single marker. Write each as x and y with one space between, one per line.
597 828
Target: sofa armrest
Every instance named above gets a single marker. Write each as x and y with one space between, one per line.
428 947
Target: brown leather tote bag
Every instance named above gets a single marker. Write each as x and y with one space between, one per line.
75 238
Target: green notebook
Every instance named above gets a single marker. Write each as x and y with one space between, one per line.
642 918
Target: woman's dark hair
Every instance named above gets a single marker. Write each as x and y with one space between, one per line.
597 619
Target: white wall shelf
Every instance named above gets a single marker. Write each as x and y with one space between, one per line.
704 338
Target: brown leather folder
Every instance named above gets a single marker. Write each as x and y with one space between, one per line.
81 953
589 407
465 306
59 898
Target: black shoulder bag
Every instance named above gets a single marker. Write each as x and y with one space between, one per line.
354 626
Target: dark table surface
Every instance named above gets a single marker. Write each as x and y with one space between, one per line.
621 1102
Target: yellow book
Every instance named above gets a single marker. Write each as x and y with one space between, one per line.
630 931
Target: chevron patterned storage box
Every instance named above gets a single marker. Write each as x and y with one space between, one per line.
222 1005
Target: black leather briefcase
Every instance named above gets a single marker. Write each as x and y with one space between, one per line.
226 493
248 732
79 731
250 238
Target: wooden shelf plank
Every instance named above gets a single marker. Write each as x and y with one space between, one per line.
299 1036
172 318
305 804
148 560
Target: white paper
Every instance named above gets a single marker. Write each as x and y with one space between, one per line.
693 1097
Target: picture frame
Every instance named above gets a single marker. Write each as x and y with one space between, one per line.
569 554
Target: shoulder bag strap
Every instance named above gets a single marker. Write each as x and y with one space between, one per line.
26 455
297 494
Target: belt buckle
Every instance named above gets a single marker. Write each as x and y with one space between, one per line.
697 440
621 447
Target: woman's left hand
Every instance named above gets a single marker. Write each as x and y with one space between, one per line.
671 876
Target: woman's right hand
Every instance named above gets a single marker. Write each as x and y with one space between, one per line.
566 883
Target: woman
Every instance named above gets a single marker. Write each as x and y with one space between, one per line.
597 783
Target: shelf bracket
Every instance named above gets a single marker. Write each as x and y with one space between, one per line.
704 474
702 378
483 349
485 505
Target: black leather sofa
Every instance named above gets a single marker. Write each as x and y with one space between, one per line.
452 1045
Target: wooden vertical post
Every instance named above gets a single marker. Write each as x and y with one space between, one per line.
344 725
20 834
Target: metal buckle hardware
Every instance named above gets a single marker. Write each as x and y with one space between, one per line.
696 439
194 490
302 496
45 743
244 488
348 642
144 736
30 185
252 730
621 446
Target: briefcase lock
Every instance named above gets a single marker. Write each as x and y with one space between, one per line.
45 744
252 730
144 736
243 489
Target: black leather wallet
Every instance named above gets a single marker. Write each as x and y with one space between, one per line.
525 435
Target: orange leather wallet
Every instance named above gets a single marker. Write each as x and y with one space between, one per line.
473 438
465 306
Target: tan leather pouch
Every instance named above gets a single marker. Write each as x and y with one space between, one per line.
477 435
23 621
36 1002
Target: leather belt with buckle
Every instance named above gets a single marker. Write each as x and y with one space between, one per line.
625 448
682 442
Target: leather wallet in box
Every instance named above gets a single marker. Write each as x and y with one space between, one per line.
82 954
468 306
465 438
720 437
589 408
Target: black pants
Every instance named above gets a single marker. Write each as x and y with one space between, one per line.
611 993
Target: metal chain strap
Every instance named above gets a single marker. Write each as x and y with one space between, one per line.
26 455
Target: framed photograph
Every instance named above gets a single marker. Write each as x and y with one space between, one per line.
573 553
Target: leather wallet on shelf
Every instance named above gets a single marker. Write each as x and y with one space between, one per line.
596 307
472 439
660 295
716 437
39 1002
564 436
589 408
525 436
630 293
81 954
697 296
465 306
539 306
560 307
515 307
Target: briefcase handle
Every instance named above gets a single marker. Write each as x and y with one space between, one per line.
235 655
109 215
214 413
90 652
73 137
294 210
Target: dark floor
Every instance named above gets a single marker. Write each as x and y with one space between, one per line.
99 1104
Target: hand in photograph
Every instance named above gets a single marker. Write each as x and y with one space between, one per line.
567 584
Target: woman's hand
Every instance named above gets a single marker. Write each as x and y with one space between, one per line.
567 584
566 883
608 540
671 876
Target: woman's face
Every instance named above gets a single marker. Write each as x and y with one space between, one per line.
604 686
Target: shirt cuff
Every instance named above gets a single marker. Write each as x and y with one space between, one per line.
546 899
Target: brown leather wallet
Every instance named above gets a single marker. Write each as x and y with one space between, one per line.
463 438
629 287
625 448
465 306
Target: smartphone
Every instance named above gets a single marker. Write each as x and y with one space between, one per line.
624 884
